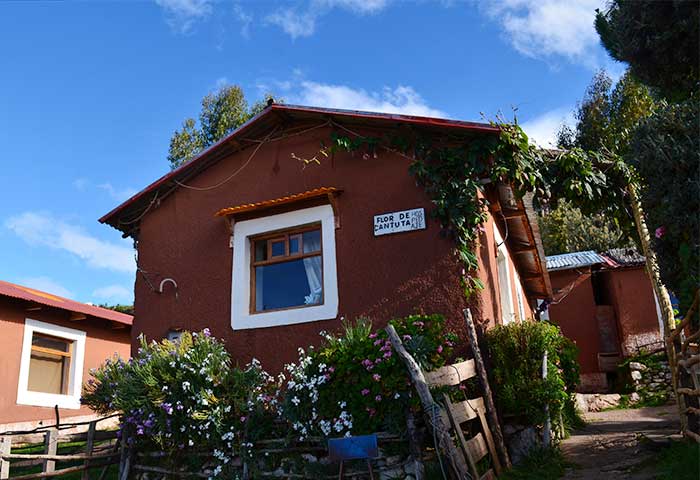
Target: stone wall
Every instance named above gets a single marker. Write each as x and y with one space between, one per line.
651 380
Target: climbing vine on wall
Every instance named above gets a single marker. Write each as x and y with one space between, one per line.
455 170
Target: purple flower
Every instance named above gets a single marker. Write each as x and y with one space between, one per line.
148 423
660 232
243 418
139 430
419 324
206 332
372 335
439 349
376 377
168 407
387 354
407 337
378 398
365 392
377 342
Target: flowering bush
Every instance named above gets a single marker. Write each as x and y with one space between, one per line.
354 383
185 394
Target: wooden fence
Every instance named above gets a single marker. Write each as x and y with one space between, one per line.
683 346
101 450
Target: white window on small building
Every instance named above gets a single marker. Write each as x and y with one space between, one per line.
504 284
284 269
51 365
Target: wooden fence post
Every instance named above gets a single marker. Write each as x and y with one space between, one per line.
432 409
5 449
488 396
50 448
414 446
89 445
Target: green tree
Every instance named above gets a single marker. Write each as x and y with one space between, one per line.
566 229
606 118
222 112
657 39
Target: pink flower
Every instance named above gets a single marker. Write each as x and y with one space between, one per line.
419 324
365 392
372 412
407 337
439 349
243 419
387 354
377 343
378 398
660 232
372 335
331 369
376 377
366 362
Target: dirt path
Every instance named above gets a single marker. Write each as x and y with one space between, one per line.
619 444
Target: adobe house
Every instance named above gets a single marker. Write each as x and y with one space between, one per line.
606 304
268 239
47 348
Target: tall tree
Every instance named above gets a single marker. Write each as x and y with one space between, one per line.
222 112
658 39
605 120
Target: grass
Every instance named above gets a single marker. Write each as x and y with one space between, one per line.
540 464
680 461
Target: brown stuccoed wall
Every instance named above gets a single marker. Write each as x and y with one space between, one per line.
101 342
382 278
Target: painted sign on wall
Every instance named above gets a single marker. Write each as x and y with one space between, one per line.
403 221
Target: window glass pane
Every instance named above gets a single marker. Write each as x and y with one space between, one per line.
260 250
48 373
289 284
277 248
312 241
294 244
49 342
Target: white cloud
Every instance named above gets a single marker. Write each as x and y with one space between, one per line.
301 22
47 285
549 28
245 18
181 15
543 129
401 99
117 194
42 229
114 293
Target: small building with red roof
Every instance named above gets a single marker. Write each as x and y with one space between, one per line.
267 238
605 303
47 348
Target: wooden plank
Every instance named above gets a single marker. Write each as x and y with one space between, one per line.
50 447
451 374
477 448
488 396
467 409
489 475
471 461
431 408
489 440
5 449
89 446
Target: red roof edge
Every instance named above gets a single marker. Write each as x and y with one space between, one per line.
409 119
20 292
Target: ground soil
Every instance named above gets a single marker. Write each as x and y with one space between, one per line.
620 444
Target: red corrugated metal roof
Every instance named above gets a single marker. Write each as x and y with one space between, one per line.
29 294
134 207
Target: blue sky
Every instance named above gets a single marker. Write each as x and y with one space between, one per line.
90 93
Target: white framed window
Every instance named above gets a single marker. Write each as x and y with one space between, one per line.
504 284
51 366
284 269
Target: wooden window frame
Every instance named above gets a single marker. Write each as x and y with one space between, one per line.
285 235
68 354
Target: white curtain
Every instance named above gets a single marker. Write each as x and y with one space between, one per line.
312 265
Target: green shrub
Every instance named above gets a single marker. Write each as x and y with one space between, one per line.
185 395
355 383
516 352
